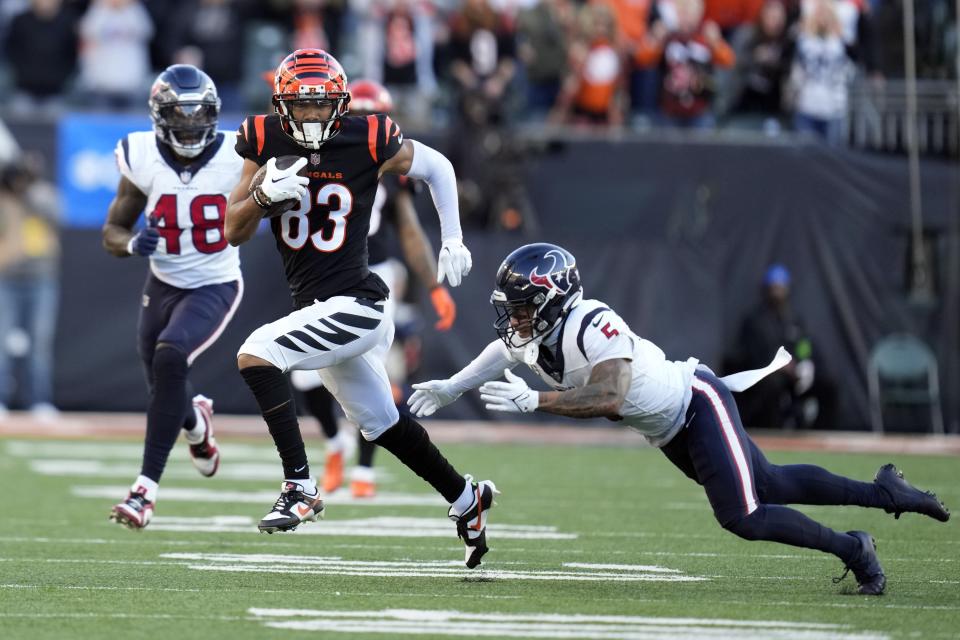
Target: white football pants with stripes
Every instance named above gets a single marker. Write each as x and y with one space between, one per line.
345 339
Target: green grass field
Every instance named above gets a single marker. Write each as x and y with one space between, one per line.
586 543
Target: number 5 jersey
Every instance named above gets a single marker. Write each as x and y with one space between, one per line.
186 203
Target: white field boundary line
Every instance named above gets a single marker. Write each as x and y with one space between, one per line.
455 623
321 565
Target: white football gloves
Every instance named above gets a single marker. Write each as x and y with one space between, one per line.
284 184
430 396
513 395
454 262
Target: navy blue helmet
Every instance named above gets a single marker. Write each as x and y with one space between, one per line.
540 279
184 107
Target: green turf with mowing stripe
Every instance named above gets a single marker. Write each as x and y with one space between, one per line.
66 572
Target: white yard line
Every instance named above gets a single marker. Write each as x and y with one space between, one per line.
455 623
264 497
80 588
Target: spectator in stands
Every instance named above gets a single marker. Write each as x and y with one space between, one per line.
631 18
41 47
543 40
29 274
821 73
797 396
592 92
210 36
114 56
763 63
483 52
687 56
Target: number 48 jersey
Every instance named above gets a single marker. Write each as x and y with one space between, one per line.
323 241
186 204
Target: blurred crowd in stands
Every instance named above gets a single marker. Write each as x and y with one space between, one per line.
763 64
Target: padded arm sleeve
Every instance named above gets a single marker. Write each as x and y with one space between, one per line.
432 167
489 365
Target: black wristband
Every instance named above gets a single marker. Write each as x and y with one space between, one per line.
261 198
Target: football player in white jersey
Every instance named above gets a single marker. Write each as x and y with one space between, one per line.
180 174
597 367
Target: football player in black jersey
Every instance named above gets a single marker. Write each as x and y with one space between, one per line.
339 327
393 210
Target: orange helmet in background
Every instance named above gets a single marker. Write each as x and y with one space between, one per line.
368 96
310 75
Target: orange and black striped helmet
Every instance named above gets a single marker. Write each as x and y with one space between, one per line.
368 96
310 76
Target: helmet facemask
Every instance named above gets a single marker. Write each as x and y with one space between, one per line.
186 126
312 133
538 312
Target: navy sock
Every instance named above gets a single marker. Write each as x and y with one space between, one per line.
788 526
273 394
189 415
165 411
809 484
410 443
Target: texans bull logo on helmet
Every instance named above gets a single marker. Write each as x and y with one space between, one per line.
558 276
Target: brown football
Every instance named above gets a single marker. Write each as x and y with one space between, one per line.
278 208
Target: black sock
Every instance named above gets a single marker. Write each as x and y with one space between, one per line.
366 450
320 404
189 415
409 442
273 394
783 524
165 411
809 484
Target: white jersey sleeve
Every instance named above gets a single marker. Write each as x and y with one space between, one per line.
133 158
604 336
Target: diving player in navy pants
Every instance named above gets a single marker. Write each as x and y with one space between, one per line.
599 368
180 174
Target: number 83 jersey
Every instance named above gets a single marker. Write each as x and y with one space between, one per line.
186 203
323 240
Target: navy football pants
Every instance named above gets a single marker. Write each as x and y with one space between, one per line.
176 325
745 490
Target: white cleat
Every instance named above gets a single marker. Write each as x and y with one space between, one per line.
134 513
205 454
291 508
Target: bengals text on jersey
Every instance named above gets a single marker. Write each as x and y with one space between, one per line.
323 241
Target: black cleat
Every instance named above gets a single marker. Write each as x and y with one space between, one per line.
866 568
905 498
472 523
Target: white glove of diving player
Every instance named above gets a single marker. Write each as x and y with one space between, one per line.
430 396
454 263
284 184
513 395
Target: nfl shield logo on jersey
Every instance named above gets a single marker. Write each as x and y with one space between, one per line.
314 158
186 176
